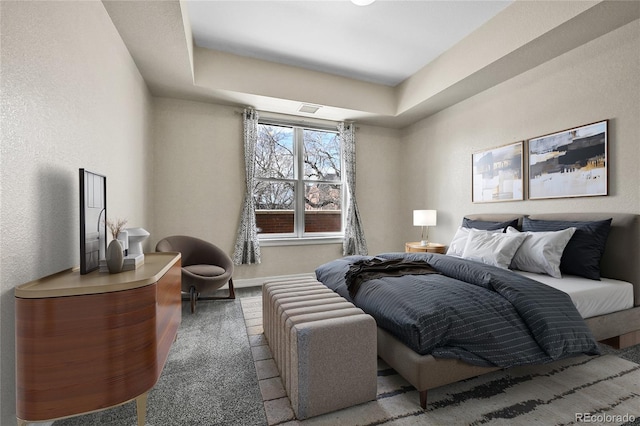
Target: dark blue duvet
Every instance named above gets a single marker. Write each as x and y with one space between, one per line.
474 312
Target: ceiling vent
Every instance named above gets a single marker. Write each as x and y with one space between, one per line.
309 109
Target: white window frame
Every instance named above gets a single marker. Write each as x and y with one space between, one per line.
299 237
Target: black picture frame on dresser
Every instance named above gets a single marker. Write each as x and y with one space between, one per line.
93 213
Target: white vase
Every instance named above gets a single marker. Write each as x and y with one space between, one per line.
115 257
136 237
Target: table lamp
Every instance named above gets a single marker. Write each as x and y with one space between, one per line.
424 218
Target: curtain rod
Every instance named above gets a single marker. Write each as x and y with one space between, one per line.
296 119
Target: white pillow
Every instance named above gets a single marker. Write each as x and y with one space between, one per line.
456 247
541 252
495 249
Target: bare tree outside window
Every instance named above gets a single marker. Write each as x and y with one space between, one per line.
294 162
274 152
322 165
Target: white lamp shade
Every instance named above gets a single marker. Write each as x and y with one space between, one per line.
424 217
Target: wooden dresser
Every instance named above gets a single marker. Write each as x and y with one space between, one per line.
89 342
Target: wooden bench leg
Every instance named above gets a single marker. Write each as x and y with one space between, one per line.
423 399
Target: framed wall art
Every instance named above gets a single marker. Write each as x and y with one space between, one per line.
497 174
571 163
93 212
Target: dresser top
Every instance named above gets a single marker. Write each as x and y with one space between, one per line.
70 283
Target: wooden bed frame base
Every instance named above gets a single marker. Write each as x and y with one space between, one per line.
624 341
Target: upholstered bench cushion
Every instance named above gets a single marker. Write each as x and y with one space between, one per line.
281 303
299 319
286 289
270 286
324 347
279 296
325 380
276 324
292 315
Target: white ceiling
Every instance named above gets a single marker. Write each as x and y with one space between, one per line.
340 43
338 37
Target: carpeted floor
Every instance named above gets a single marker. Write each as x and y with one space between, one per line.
556 393
211 378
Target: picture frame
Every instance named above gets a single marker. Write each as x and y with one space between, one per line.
93 213
497 174
570 163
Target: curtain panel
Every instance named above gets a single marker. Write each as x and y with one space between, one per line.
247 248
354 240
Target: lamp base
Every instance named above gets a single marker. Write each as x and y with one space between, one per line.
424 243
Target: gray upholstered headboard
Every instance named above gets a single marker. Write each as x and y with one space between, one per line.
621 258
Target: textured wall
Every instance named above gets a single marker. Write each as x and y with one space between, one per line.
596 81
71 98
199 185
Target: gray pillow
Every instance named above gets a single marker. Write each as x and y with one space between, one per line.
488 225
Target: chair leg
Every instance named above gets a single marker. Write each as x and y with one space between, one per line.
193 295
232 293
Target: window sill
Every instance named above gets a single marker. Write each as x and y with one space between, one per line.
274 242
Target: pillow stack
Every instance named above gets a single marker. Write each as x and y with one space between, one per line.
544 246
486 242
456 248
584 250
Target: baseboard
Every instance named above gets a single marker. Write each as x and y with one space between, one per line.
257 282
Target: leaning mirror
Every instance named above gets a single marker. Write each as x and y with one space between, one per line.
93 211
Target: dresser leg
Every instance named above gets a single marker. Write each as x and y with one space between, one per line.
141 408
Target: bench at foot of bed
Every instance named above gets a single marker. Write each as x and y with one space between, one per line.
324 347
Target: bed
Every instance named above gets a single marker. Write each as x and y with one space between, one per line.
620 328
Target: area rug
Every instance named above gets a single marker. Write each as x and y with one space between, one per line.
209 378
601 390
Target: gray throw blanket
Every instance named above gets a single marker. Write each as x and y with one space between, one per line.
369 269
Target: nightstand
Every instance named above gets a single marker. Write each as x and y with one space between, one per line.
416 247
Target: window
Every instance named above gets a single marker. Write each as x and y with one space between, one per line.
299 185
